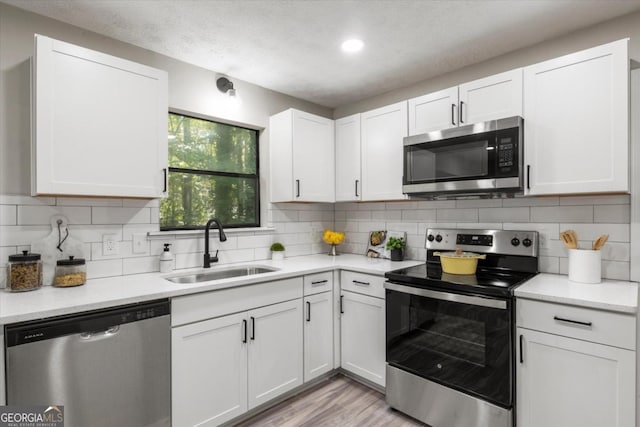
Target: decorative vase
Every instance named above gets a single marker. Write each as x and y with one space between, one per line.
332 251
396 255
277 255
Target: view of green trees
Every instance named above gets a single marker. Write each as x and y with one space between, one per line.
213 172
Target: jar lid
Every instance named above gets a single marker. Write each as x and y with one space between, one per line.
71 261
25 256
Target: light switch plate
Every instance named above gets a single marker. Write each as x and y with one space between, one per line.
140 243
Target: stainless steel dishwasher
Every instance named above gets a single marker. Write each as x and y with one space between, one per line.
107 367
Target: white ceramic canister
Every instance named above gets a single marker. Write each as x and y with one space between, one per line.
585 266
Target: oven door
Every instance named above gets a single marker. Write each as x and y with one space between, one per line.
460 341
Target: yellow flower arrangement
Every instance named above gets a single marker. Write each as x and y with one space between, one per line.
333 237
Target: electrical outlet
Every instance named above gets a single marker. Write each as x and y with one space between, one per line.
543 242
140 245
110 245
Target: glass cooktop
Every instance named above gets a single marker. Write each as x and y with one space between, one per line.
489 282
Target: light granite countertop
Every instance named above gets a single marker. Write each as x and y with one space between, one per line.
113 291
611 295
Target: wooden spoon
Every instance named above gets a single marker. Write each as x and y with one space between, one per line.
600 241
569 239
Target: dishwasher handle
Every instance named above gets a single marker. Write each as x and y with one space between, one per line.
91 324
100 335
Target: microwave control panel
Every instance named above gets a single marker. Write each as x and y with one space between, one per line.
506 153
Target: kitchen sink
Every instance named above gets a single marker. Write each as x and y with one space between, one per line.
226 273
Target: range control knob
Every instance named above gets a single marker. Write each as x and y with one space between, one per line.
438 238
527 242
430 237
515 241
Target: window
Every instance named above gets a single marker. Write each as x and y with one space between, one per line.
213 172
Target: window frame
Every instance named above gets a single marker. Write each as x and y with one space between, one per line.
200 172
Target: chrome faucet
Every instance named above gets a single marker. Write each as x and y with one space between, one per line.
208 259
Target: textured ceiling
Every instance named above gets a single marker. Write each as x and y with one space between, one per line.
293 46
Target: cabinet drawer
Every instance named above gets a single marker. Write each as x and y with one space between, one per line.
362 283
316 283
207 305
583 323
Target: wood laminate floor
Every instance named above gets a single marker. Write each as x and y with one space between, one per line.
339 402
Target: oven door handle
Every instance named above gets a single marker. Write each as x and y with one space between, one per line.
447 296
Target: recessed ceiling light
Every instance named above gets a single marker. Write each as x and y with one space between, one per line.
352 45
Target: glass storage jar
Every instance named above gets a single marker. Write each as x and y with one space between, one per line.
70 272
24 272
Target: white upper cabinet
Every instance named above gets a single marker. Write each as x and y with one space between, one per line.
301 147
381 141
434 111
577 122
99 124
348 170
489 98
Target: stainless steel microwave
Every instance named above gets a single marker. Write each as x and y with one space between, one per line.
477 159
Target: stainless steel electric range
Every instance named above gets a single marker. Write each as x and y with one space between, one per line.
450 338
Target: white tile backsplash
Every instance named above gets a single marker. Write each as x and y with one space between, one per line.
562 214
617 214
110 215
41 215
299 226
8 214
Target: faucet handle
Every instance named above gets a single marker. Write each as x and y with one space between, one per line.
215 257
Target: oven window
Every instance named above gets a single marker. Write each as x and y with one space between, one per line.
463 346
431 163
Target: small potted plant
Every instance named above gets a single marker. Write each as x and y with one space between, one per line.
396 245
277 251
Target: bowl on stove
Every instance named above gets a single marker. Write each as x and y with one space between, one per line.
459 262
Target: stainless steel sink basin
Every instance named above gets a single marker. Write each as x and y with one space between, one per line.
226 273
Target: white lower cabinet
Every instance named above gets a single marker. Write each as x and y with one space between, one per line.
565 382
226 365
576 366
318 335
363 336
275 359
209 371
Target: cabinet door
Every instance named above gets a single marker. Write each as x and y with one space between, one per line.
382 133
318 335
100 124
348 181
275 351
491 98
363 339
313 158
434 111
576 127
209 371
564 382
